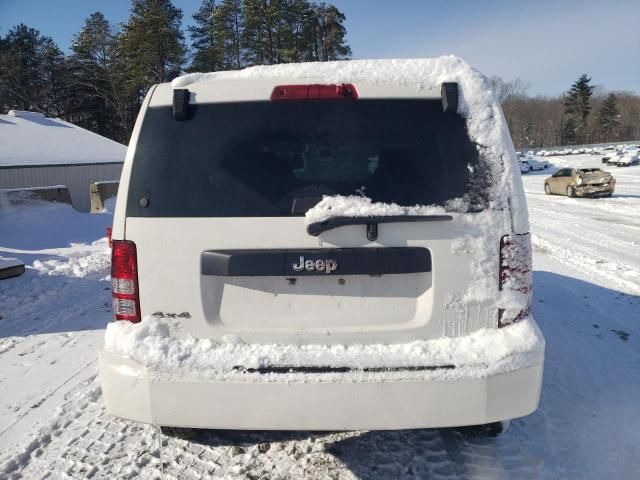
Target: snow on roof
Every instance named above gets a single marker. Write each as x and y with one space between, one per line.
421 74
29 138
476 102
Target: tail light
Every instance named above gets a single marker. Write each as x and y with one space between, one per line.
344 91
124 281
515 278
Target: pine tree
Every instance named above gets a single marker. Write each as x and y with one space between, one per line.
206 39
20 65
96 93
128 93
33 72
569 131
577 106
230 24
608 119
260 34
153 42
278 31
295 31
329 34
55 74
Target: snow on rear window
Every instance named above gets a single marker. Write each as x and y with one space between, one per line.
361 206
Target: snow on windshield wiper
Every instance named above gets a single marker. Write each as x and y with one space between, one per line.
316 228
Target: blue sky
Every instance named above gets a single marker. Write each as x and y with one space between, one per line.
545 43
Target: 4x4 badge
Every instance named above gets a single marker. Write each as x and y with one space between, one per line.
327 266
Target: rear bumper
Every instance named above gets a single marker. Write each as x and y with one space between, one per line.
130 392
586 190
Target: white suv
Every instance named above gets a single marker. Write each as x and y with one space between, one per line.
328 246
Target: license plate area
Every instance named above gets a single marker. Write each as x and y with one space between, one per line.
317 302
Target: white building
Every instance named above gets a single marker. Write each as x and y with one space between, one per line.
36 151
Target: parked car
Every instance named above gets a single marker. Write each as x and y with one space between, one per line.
536 165
612 157
627 159
269 229
544 163
524 166
623 158
580 182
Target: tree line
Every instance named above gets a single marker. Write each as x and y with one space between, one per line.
101 83
584 114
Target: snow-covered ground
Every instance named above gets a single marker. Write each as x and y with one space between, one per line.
586 300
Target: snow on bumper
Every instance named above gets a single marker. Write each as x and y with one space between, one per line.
376 398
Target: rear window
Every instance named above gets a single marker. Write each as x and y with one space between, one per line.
260 159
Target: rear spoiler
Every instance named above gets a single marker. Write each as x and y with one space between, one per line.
181 111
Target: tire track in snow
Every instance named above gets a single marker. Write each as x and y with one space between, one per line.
606 250
47 395
591 264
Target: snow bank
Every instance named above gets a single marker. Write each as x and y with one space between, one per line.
54 239
109 205
79 261
35 224
477 103
486 351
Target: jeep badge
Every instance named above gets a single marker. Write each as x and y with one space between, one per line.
327 266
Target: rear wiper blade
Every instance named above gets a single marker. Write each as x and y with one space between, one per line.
316 228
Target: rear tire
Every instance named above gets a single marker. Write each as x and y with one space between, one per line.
547 189
571 192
